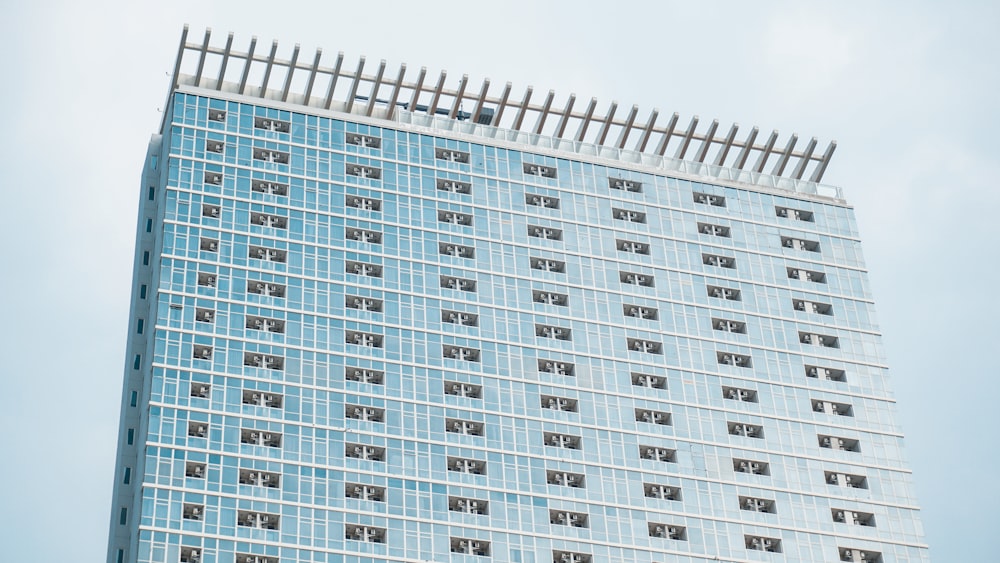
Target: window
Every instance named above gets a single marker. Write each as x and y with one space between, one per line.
625 185
829 407
140 324
259 478
643 280
194 470
216 115
557 440
368 414
266 220
454 186
257 519
846 480
806 275
451 155
706 199
145 258
724 325
797 214
454 218
544 232
364 304
456 250
268 254
215 146
799 244
149 225
662 492
364 339
258 438
364 492
268 124
547 265
759 543
853 518
199 352
658 454
753 504
208 245
463 390
558 333
550 298
470 547
751 467
192 555
467 427
667 531
151 194
206 280
368 534
213 178
737 360
133 398
460 353
211 211
828 374
267 187
364 141
262 399
724 293
362 171
559 403
193 511
812 307
556 368
197 429
542 201
566 518
866 556
201 390
718 261
257 360
570 557
142 291
626 215
743 429
137 361
130 436
646 346
462 465
842 444
449 282
650 381
459 318
265 324
364 375
737 394
652 417
250 558
364 203
362 235
266 289
714 230
468 505
633 247
819 340
538 170
362 269
127 476
564 479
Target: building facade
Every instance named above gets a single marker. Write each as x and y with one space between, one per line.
378 319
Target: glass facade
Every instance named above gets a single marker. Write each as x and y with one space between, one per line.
358 341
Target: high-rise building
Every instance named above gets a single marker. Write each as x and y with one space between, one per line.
382 315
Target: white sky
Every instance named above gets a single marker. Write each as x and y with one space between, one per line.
908 89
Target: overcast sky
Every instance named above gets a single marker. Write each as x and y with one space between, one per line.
909 90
